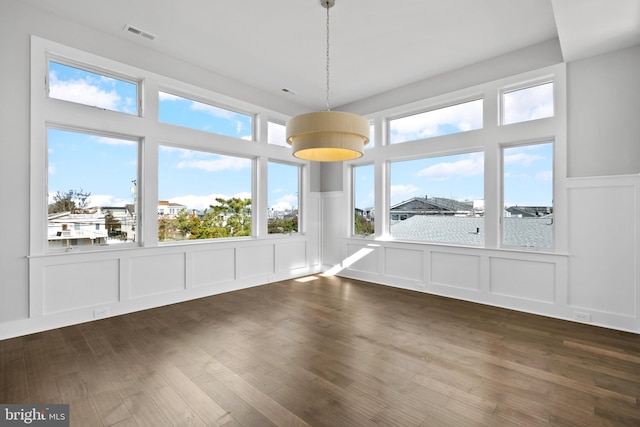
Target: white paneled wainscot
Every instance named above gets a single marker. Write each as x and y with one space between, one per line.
71 288
597 281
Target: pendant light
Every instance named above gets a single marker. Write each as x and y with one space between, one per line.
328 136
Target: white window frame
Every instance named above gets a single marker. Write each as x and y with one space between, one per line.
190 96
435 106
522 86
100 71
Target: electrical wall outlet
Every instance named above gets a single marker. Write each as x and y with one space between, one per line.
100 312
420 286
581 316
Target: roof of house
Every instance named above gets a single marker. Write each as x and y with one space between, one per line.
417 204
527 232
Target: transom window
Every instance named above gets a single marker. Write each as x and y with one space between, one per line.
192 114
443 121
277 134
530 103
91 88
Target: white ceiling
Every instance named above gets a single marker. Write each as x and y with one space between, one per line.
376 45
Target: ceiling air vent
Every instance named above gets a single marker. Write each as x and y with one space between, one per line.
139 32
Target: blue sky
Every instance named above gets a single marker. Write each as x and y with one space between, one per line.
106 167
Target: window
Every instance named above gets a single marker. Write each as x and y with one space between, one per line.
439 199
91 189
531 103
372 137
444 121
90 88
197 115
203 195
363 200
284 189
277 134
528 196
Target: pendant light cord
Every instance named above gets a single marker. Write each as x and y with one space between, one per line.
328 80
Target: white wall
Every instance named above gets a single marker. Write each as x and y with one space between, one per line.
604 129
595 276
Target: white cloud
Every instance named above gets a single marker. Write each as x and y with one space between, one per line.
107 200
208 162
286 202
545 176
216 165
528 104
281 206
96 200
212 110
113 141
403 191
201 203
52 169
522 159
83 92
460 118
470 166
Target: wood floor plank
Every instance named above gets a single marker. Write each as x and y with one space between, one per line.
110 408
144 411
328 352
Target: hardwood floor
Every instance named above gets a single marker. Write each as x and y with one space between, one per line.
328 352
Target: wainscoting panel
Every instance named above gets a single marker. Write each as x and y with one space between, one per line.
530 280
256 261
404 264
291 255
603 245
457 270
213 266
364 258
152 275
70 286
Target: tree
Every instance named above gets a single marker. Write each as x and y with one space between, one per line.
73 201
234 214
112 225
286 225
165 226
184 223
227 218
363 226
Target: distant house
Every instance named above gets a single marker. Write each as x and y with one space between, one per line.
528 211
169 209
367 213
431 206
66 229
